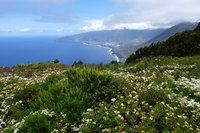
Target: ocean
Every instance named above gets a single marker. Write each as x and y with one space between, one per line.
24 50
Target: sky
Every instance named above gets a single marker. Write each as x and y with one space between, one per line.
67 17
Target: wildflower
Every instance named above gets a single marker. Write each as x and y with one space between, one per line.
105 130
121 117
113 99
89 110
16 130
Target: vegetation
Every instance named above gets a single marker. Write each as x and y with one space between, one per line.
181 44
61 95
155 95
78 63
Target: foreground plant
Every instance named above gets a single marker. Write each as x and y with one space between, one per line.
154 95
57 101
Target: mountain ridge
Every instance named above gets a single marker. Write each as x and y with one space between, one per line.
124 42
172 31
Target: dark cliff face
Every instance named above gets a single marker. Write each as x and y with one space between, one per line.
197 28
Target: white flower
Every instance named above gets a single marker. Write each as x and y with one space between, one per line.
105 130
121 117
113 99
89 110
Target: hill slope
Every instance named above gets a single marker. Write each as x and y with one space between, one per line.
172 31
115 37
119 40
154 95
124 42
181 44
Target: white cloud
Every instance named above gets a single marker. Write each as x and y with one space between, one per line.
6 30
95 24
58 30
156 12
46 11
133 26
147 14
24 30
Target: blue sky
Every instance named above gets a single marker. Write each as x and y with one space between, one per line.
66 17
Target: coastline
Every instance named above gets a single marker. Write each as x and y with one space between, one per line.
110 50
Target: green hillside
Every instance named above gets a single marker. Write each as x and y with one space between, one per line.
155 95
181 44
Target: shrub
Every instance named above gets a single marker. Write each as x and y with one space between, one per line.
78 63
56 61
22 101
102 86
70 93
38 123
152 96
2 85
114 62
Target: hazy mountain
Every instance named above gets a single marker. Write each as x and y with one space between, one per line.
163 36
119 40
117 37
172 31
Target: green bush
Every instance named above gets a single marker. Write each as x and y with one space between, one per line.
70 93
165 81
38 123
9 130
102 86
2 85
152 96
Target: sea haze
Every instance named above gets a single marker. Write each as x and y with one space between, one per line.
23 50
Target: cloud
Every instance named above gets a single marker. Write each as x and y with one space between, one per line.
134 26
29 30
22 30
95 24
157 12
58 30
55 18
25 30
45 11
148 14
131 14
6 30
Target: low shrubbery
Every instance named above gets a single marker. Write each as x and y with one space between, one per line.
69 93
153 95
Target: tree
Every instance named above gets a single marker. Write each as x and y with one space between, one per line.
78 63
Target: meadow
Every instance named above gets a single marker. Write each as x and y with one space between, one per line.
152 95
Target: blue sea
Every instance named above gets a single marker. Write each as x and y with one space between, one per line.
24 50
